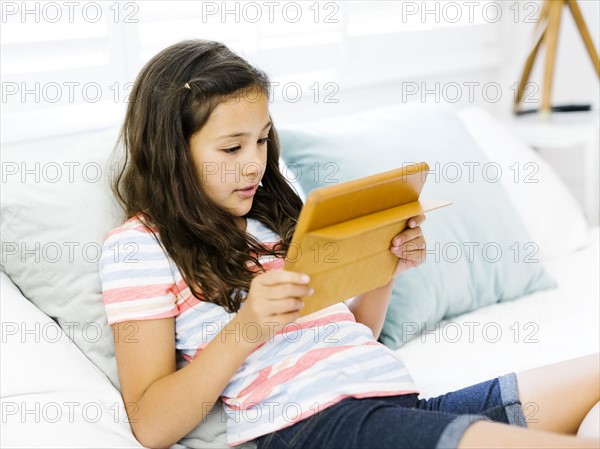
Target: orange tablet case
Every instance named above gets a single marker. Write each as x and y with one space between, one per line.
344 233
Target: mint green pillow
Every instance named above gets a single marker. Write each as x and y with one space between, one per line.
478 251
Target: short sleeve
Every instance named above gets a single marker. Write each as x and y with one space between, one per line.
136 276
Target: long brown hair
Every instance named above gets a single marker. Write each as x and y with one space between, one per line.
159 179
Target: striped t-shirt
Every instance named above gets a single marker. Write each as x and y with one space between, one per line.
306 367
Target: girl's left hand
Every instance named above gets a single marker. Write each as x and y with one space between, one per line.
409 245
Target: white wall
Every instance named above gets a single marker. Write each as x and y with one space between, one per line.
575 80
383 73
392 58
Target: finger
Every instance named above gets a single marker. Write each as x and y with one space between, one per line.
407 235
416 244
412 251
287 305
416 221
414 256
281 276
288 317
284 291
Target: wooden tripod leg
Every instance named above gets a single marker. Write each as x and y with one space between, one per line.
532 54
551 41
527 71
542 17
585 34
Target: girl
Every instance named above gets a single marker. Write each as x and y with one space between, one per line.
196 271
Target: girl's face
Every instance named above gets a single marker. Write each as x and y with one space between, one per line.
230 150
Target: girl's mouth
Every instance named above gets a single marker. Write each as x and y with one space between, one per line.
248 192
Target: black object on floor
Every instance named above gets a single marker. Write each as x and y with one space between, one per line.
562 108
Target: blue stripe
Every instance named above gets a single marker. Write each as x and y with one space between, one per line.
128 246
350 359
282 348
192 314
129 255
334 376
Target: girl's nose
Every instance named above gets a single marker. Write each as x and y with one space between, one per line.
252 169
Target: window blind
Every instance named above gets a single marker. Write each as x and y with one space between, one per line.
69 66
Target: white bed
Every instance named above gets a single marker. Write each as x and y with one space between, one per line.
552 325
46 376
42 373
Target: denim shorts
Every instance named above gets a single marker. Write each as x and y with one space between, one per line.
403 421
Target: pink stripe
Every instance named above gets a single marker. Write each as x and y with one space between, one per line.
305 362
188 303
188 300
273 264
138 292
142 228
259 380
168 314
182 285
332 318
126 226
114 231
326 319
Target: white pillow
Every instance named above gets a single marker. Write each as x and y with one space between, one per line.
291 173
56 210
552 216
52 396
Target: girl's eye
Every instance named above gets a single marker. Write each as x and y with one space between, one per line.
262 141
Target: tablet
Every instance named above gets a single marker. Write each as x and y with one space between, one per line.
343 236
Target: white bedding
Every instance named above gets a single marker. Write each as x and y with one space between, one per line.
552 325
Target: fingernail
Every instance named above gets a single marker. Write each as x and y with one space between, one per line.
311 291
412 223
305 278
397 241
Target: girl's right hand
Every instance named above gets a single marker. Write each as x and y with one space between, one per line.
274 300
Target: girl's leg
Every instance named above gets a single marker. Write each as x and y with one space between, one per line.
590 427
557 397
380 423
486 434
